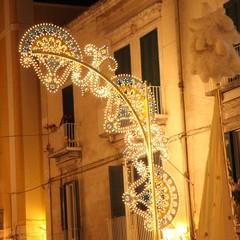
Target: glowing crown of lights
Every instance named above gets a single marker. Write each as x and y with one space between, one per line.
130 110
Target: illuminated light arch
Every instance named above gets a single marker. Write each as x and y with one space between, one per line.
130 110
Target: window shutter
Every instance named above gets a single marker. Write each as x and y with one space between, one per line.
233 153
232 8
116 191
68 104
1 219
70 208
149 58
123 58
63 207
236 152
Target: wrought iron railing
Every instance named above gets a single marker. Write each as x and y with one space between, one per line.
160 104
159 98
128 228
158 93
64 136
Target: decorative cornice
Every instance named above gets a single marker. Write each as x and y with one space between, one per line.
135 23
92 13
69 161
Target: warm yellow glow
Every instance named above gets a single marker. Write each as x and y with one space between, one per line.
130 110
36 229
178 233
42 231
181 231
168 234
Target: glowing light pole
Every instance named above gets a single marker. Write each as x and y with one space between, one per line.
55 56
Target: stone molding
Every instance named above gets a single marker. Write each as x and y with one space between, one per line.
135 23
91 14
68 162
141 19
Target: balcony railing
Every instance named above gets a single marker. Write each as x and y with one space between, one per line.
132 228
160 111
65 136
159 98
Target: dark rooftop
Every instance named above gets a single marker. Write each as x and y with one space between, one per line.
69 2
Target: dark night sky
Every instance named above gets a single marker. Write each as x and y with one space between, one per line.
70 2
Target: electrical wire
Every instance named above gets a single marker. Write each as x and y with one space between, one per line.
80 169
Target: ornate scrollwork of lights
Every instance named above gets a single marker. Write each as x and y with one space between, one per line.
141 201
53 69
130 110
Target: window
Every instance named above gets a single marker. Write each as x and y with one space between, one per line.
149 58
67 104
233 153
70 210
123 58
150 67
232 8
149 61
1 219
68 115
116 191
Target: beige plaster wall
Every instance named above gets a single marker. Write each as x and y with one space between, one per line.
21 157
188 109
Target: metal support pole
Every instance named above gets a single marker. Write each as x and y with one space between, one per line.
151 170
219 101
146 136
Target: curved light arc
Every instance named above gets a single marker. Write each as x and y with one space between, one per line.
105 78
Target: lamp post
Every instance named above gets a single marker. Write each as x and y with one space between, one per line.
55 56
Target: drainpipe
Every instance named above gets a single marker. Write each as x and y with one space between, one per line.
50 196
183 136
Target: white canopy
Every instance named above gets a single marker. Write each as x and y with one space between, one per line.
216 221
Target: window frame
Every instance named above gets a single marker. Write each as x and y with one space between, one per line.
117 54
148 39
134 41
232 139
70 210
116 176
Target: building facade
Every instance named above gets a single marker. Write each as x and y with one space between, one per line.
79 168
22 204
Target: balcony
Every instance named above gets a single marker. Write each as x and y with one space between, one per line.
160 103
158 93
130 227
63 139
161 115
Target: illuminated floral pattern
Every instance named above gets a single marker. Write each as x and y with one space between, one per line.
130 110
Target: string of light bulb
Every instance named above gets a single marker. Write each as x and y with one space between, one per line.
130 109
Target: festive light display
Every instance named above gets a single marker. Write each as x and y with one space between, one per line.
130 110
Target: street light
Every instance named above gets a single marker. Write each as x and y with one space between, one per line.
56 56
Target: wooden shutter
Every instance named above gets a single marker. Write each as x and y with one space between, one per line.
116 191
74 186
68 104
123 58
233 153
236 152
1 219
149 58
232 8
63 207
